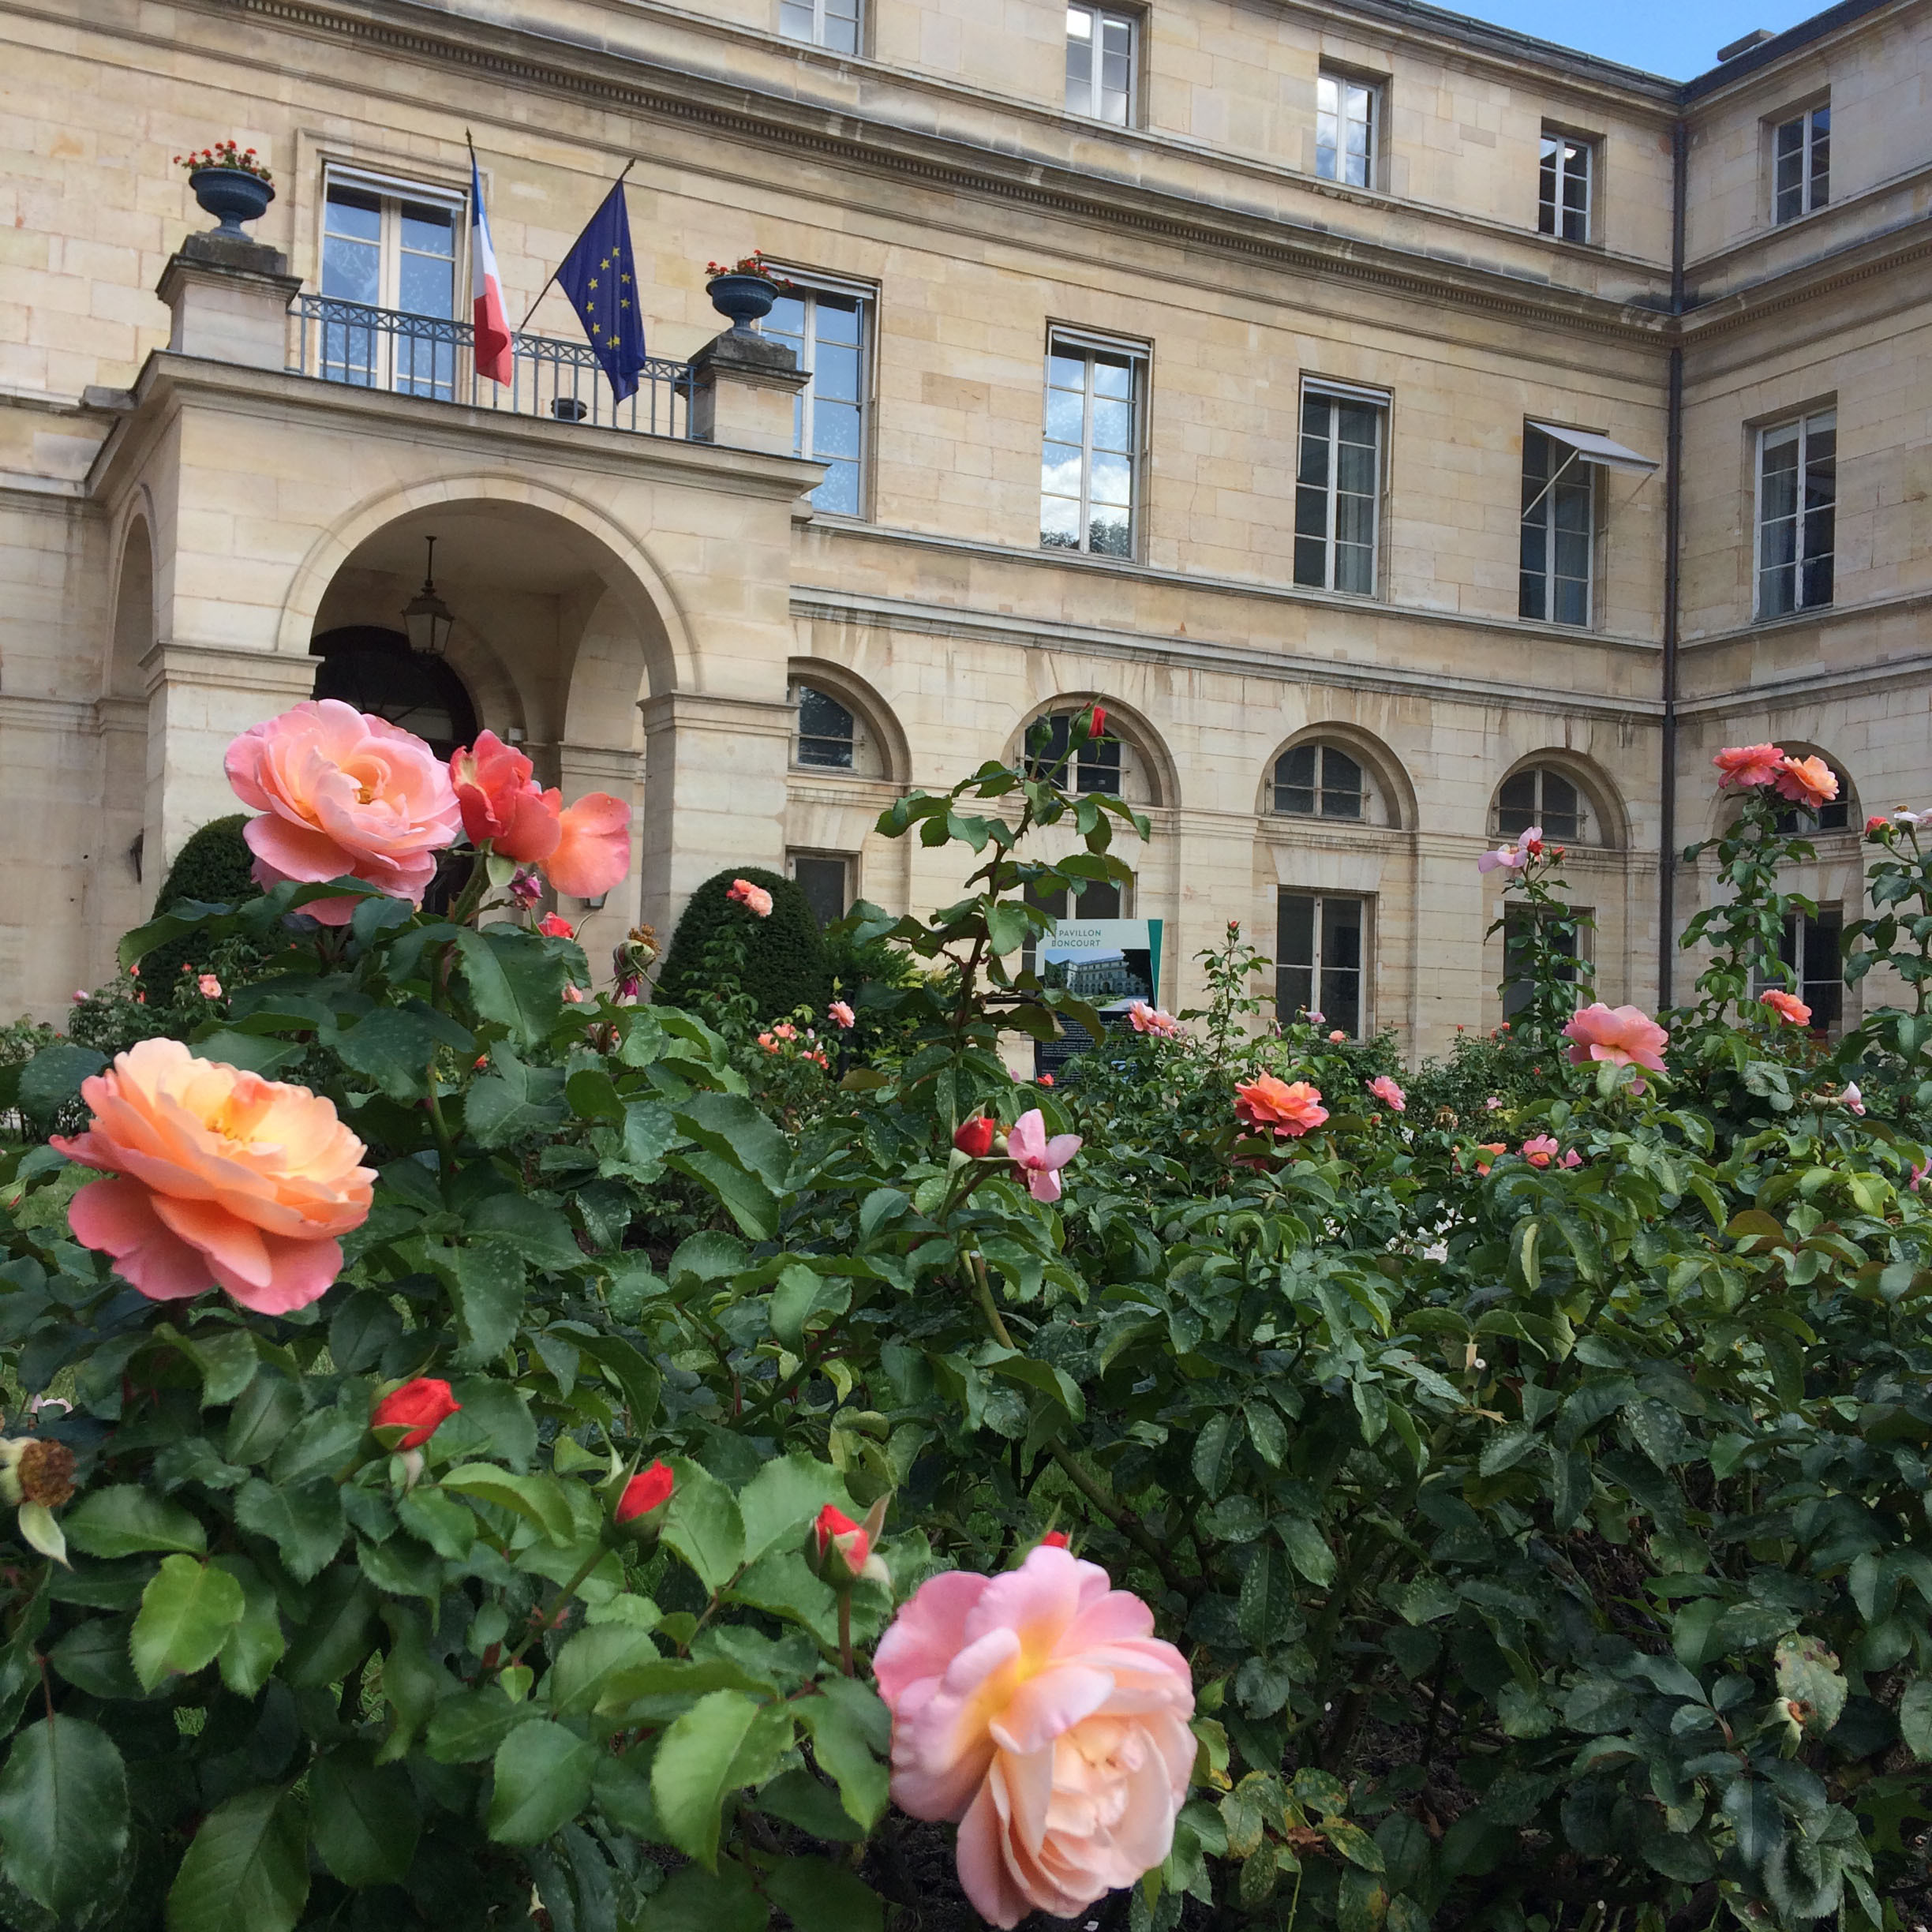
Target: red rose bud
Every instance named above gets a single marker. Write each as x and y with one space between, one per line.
975 1137
645 1498
1053 1539
838 1548
416 1408
1097 723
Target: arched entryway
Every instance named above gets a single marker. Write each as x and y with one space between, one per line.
376 671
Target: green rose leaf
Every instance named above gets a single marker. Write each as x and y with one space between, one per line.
187 1613
247 1869
691 1772
820 1896
542 1774
254 1643
63 1814
703 1524
363 1816
126 1520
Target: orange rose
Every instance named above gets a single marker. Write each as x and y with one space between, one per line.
1276 1106
343 794
1808 782
1787 1006
1742 767
583 851
224 1179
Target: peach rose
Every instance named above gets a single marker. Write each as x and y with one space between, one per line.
1626 1035
1039 1710
343 794
1741 767
755 899
1808 782
1276 1106
223 1179
583 849
1787 1006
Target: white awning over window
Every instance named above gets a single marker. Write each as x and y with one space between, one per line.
1598 449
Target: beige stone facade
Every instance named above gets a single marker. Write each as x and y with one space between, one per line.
187 501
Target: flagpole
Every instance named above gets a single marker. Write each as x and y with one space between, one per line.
546 289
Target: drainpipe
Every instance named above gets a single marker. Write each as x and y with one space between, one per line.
1673 503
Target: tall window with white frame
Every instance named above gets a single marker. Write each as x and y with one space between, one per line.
1347 116
1338 489
1318 781
1564 186
1801 164
1090 456
1811 946
830 24
390 246
1797 513
828 329
1101 52
1321 958
1559 531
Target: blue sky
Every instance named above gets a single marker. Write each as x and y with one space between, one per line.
1677 38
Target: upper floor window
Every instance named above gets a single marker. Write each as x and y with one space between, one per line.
1346 112
390 245
1090 456
1564 187
1559 531
1338 489
1539 797
1096 764
830 24
1797 513
827 732
1801 164
1100 62
827 328
1318 781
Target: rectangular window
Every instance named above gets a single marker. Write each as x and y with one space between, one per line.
1519 989
1813 949
1339 489
392 246
1564 187
1559 531
824 878
1801 164
1100 63
830 24
829 330
1797 513
1319 953
1345 114
1090 464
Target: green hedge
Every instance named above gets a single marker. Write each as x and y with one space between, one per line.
786 965
212 867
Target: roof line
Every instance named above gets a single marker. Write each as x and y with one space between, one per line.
1766 52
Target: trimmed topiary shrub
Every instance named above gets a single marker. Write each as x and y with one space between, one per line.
213 868
784 957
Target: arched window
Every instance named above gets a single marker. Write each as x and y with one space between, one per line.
828 733
1097 764
1539 797
1840 815
1319 781
376 671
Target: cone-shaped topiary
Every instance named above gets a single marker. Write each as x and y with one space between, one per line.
212 867
785 958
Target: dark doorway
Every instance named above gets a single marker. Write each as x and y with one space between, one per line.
376 671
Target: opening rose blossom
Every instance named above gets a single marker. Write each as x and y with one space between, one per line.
583 849
222 1179
343 794
1625 1034
1145 1019
755 899
1388 1093
1037 1161
417 1407
1742 767
1279 1107
839 1549
1786 1005
1808 782
840 1014
1039 1709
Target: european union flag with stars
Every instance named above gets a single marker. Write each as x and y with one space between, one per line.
600 276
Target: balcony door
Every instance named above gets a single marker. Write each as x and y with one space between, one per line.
391 249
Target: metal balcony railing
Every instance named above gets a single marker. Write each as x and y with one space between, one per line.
425 356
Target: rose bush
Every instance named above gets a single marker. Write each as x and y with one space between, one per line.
1508 1520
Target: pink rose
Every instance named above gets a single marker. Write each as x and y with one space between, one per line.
1388 1093
1039 1710
841 1015
755 899
1625 1034
1337 1037
1145 1019
342 794
1539 1151
584 850
1742 767
1037 1161
208 986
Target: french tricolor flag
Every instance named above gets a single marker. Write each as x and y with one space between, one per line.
492 326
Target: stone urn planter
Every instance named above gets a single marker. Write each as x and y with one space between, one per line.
232 196
744 292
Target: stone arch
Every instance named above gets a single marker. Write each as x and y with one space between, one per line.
857 695
132 634
1126 722
1610 826
1384 768
667 656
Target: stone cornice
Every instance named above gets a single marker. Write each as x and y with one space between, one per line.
1828 274
622 82
1769 694
1826 617
1230 659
